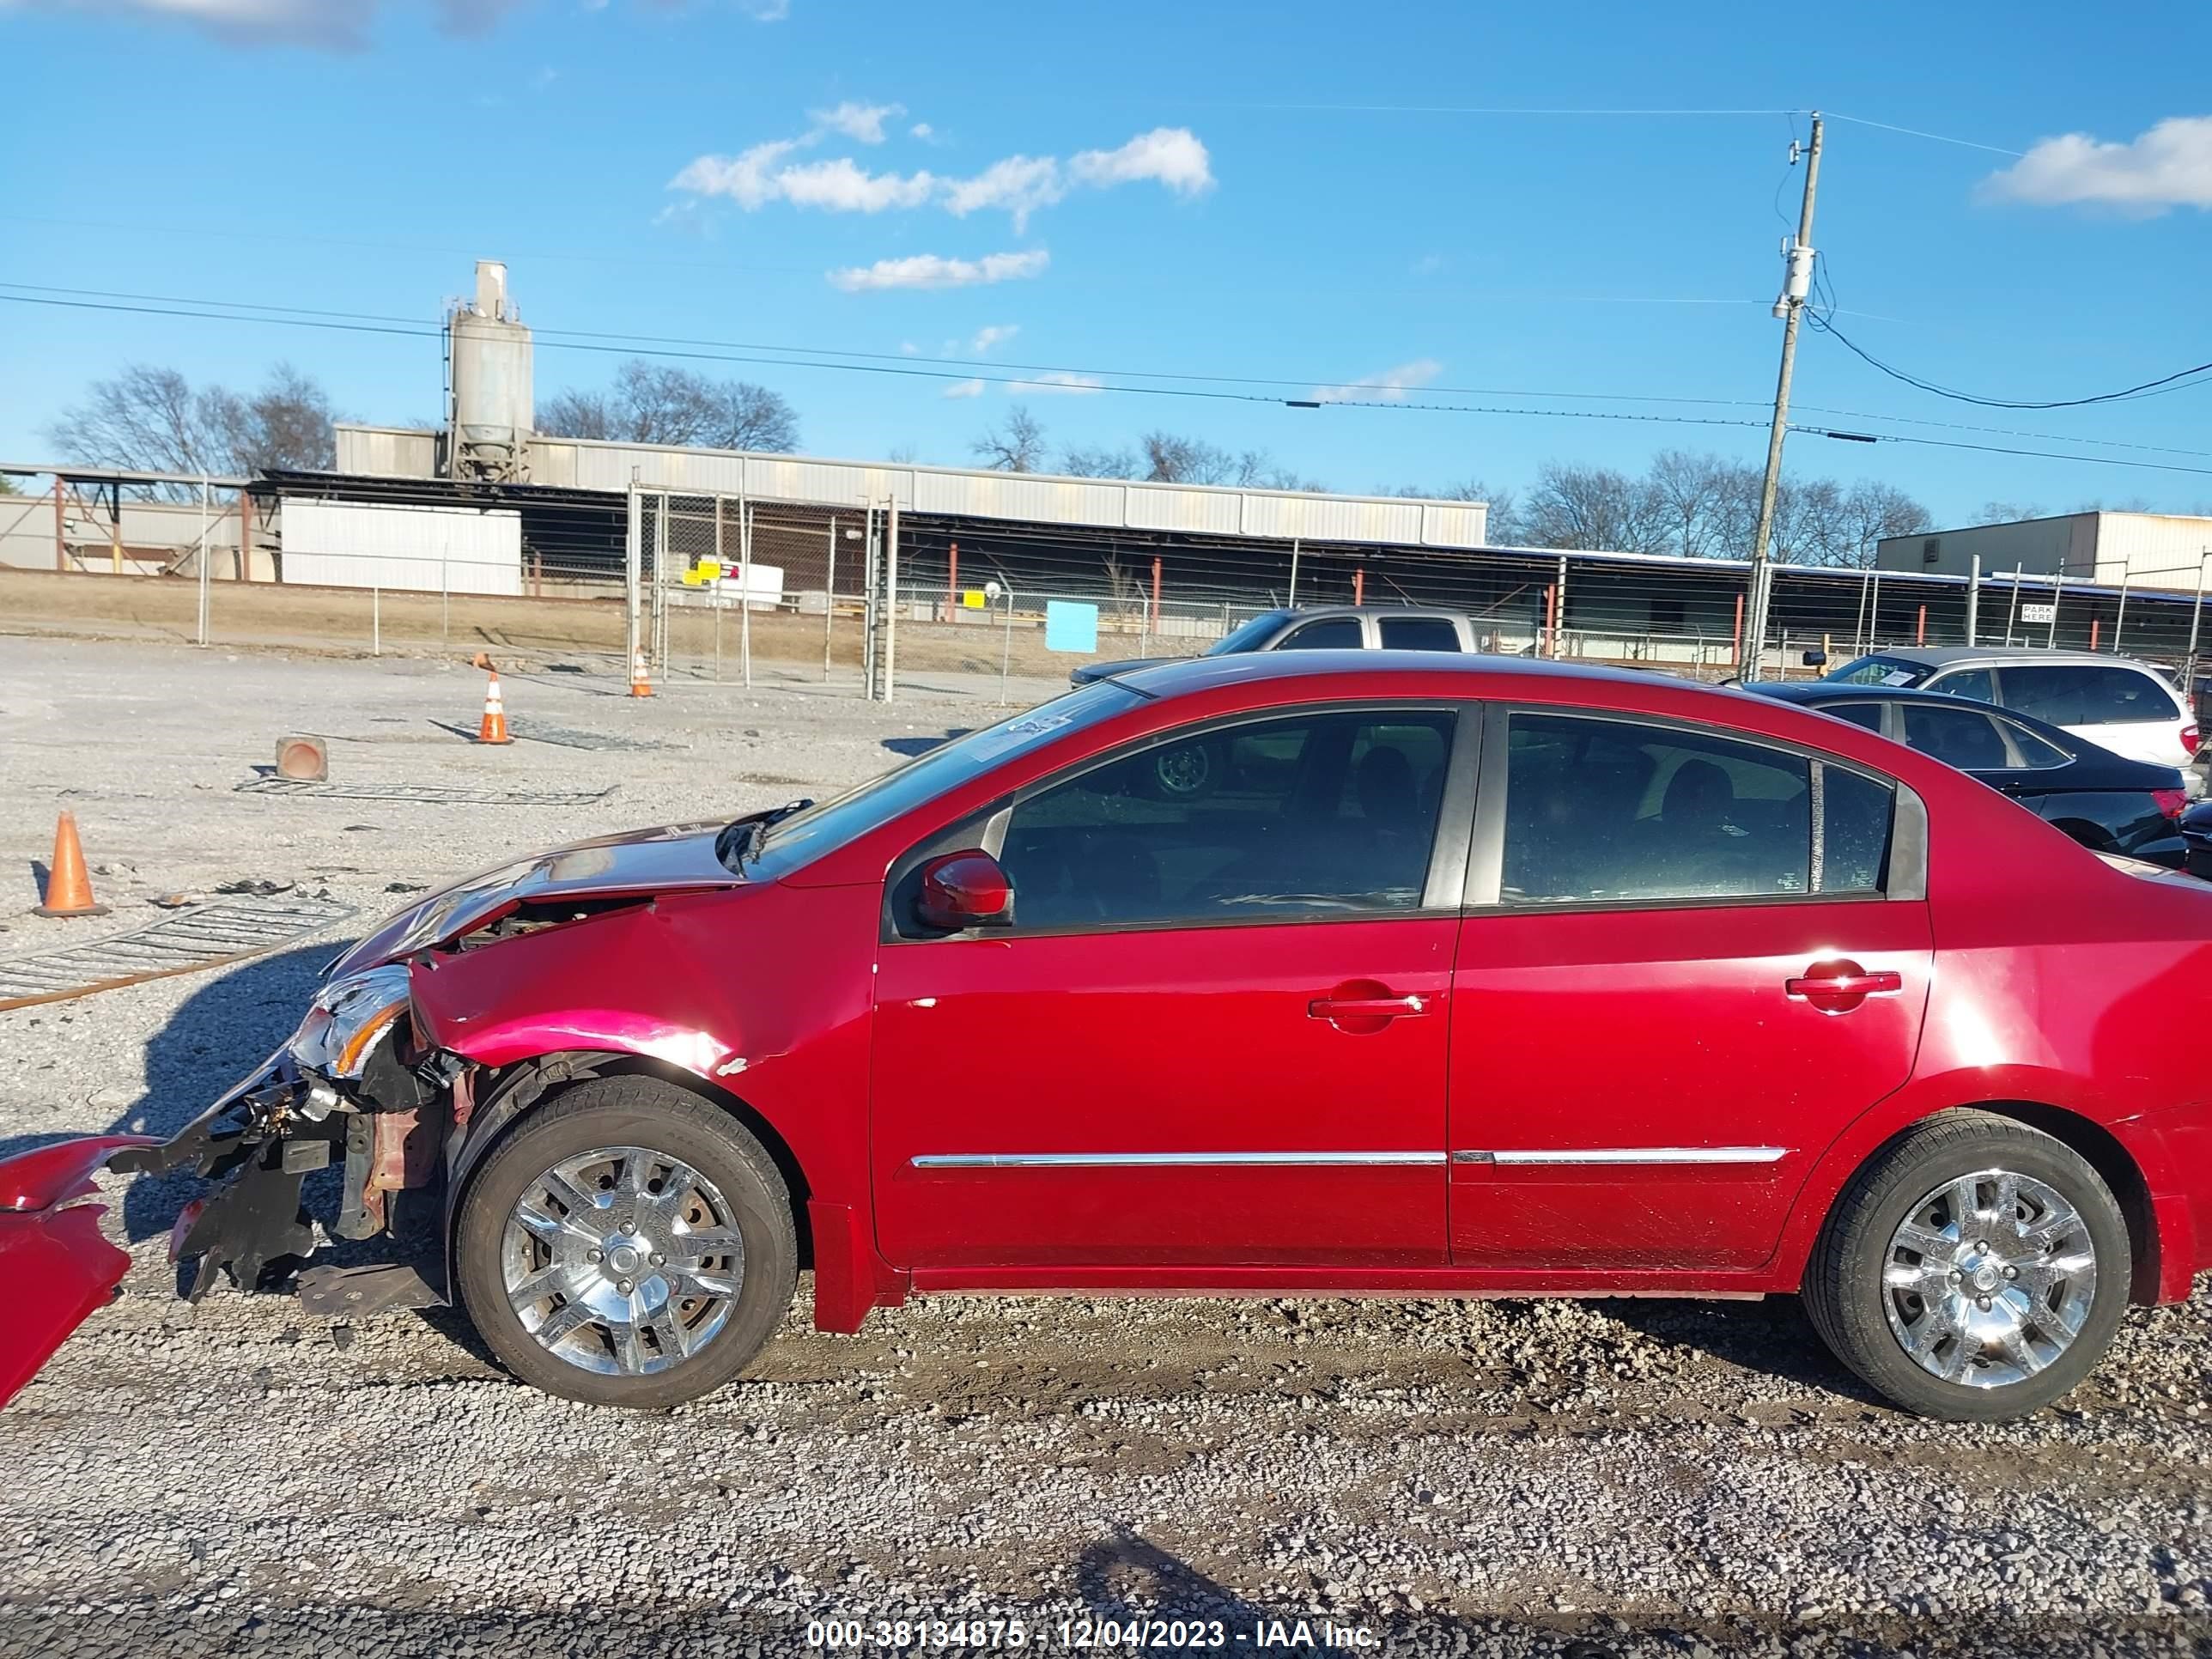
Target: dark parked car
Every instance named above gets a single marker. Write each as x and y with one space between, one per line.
2196 836
1320 628
2107 802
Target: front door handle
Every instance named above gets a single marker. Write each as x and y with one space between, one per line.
1407 1007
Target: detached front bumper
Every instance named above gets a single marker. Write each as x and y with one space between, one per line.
56 1266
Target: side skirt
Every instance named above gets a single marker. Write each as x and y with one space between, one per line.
1443 1282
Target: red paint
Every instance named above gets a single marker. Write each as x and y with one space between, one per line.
965 890
56 1266
2030 972
1358 587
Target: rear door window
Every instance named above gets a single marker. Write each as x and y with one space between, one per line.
1419 633
1867 714
1330 634
2087 694
1611 811
1965 738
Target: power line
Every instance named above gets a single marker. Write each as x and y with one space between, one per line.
1916 132
2148 388
1404 406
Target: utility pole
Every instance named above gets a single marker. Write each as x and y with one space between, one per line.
1796 284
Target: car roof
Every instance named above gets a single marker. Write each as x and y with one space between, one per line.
1188 675
1943 656
1304 611
1839 691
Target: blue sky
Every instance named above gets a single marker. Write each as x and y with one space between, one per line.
1235 192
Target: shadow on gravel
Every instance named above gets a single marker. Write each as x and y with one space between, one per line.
1773 1338
909 747
231 1022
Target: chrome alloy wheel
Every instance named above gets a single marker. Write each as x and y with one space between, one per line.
1184 769
1988 1278
621 1260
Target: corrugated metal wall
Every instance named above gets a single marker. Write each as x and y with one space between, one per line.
1092 503
432 550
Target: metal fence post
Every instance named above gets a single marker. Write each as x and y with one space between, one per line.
2120 620
828 599
891 591
1006 646
633 567
1974 601
375 620
2058 584
1294 572
746 587
2196 617
444 602
203 557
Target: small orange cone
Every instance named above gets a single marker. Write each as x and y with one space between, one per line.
494 727
68 888
641 676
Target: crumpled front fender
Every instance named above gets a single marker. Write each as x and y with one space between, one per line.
56 1266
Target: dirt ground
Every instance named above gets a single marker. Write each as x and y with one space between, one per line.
1610 1478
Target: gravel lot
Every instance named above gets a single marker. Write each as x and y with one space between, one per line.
1557 1477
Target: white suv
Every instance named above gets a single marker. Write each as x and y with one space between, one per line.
2114 703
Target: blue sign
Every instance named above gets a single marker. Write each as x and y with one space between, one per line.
1070 626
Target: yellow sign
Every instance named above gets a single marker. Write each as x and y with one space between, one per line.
691 579
709 570
972 598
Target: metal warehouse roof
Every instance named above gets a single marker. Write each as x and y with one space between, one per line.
963 492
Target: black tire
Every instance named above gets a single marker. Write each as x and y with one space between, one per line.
1852 1306
644 1112
1185 771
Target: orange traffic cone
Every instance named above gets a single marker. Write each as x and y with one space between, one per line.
68 888
494 727
641 676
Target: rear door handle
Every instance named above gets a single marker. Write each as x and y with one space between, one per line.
1407 1007
1881 982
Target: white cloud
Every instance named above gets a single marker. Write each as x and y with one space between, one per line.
921 130
1168 155
1428 264
933 270
992 334
1057 382
2168 166
765 11
1017 185
964 389
861 122
1389 386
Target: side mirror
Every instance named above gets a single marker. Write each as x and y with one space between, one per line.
965 890
1816 659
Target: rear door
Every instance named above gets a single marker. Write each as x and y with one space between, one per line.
2115 706
1689 960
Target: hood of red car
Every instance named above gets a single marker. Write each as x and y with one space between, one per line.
673 858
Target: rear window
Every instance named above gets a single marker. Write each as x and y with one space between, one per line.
2087 694
1419 633
1965 738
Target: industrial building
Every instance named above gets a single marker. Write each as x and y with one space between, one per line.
2111 549
488 505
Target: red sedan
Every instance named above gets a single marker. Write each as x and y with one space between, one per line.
1301 974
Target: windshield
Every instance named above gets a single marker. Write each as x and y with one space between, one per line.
808 834
1877 671
1247 636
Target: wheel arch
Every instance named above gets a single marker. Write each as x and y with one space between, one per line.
2090 1141
517 1090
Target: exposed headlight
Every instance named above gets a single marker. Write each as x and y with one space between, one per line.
349 1017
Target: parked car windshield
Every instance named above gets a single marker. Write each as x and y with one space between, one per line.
807 834
1877 671
1247 636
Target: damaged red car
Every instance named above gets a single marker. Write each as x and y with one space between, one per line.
1303 975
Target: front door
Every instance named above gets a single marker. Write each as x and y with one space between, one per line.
1215 1035
1703 957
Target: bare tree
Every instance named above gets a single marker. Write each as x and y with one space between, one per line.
1101 463
150 419
1871 512
1593 506
660 403
2008 511
1692 492
1170 458
1504 519
1017 447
